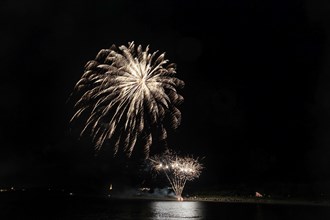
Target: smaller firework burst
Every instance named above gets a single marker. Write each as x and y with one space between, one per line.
178 170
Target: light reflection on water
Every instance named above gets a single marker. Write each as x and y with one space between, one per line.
176 210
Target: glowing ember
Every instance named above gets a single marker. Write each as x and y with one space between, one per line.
127 93
177 169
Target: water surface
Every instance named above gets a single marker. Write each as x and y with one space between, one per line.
96 208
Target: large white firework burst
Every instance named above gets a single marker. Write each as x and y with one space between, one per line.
127 94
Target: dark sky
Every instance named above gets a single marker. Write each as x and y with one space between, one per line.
257 94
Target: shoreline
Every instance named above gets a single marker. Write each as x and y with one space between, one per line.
325 202
227 199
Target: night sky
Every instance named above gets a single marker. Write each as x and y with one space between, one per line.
257 94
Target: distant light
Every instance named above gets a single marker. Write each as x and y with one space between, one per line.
71 194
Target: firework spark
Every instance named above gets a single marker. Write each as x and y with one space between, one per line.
178 170
127 94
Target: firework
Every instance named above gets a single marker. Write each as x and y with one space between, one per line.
127 93
178 170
